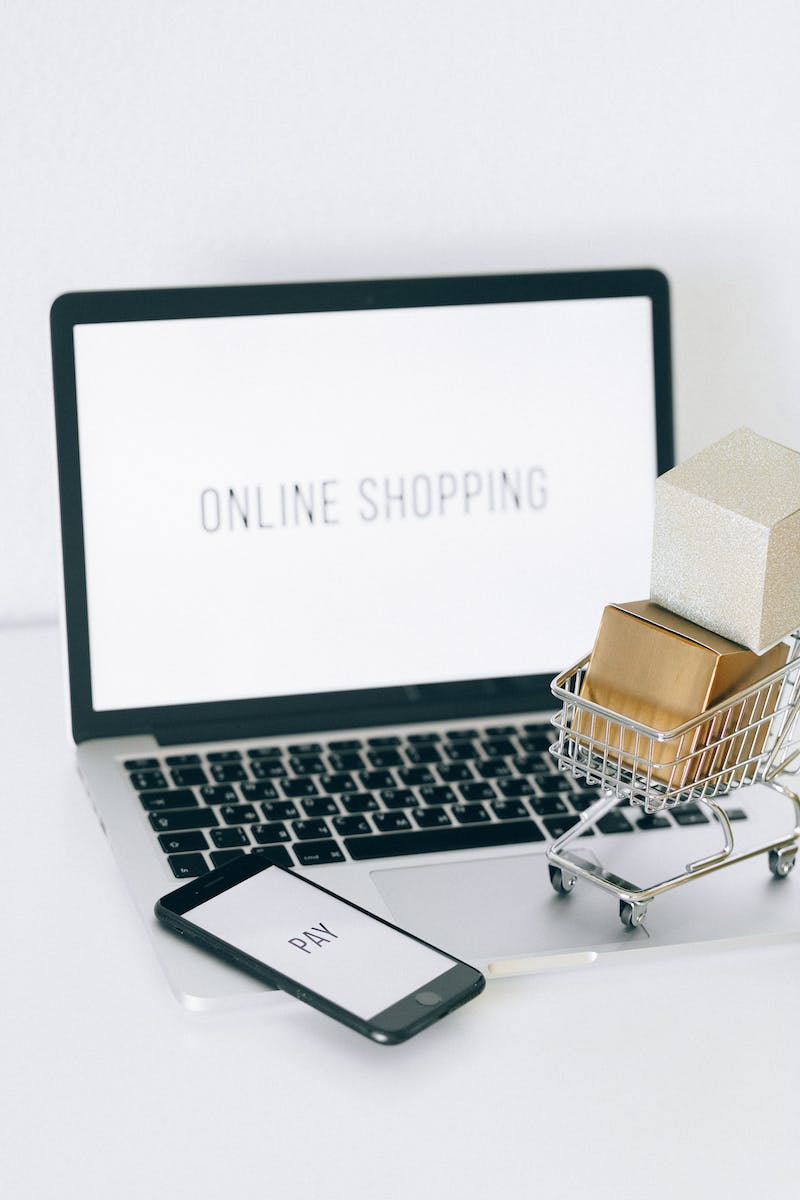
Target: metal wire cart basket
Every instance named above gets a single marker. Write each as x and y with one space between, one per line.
751 737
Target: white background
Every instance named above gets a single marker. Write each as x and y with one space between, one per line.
194 142
178 614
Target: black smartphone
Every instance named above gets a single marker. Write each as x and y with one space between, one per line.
337 957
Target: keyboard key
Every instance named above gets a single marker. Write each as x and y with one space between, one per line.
349 826
385 758
238 814
614 822
262 790
302 748
170 798
311 829
274 832
552 783
653 821
227 839
440 793
736 814
309 764
359 802
477 791
430 818
398 798
280 810
228 772
533 764
499 731
498 748
179 843
493 768
320 806
515 787
538 729
219 794
455 735
265 752
345 744
275 853
188 776
224 756
454 837
454 772
299 787
390 822
509 810
533 743
584 800
180 819
420 755
377 779
547 806
384 740
556 826
415 776
182 760
338 783
346 762
272 768
689 814
147 781
187 866
456 751
220 857
313 854
140 764
469 814
420 739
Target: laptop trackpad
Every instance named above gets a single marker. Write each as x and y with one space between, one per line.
498 908
492 909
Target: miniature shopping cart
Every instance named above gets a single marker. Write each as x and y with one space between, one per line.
751 737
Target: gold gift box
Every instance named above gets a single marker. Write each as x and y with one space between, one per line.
658 669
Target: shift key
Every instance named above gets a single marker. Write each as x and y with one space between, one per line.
183 818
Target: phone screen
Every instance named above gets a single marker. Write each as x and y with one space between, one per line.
322 943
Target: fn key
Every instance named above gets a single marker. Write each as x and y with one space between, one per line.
187 866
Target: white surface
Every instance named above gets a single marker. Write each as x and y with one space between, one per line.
198 142
378 596
644 1076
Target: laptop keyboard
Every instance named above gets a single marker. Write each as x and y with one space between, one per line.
314 802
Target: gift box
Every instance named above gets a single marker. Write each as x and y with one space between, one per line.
655 667
726 540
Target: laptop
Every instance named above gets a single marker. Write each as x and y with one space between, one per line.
324 547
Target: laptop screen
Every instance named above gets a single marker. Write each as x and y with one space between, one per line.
293 503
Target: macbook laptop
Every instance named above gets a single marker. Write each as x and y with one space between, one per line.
324 548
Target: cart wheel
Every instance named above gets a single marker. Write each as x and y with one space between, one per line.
782 861
631 915
563 884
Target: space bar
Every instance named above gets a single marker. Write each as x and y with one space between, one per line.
429 841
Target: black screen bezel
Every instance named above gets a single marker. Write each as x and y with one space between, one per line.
274 715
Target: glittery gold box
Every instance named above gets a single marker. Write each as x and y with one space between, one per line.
726 540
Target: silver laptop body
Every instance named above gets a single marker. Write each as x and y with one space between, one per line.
357 528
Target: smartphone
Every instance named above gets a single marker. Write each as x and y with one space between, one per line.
335 956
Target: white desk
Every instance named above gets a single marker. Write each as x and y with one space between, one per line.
648 1077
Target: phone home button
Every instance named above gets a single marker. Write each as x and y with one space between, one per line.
428 998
